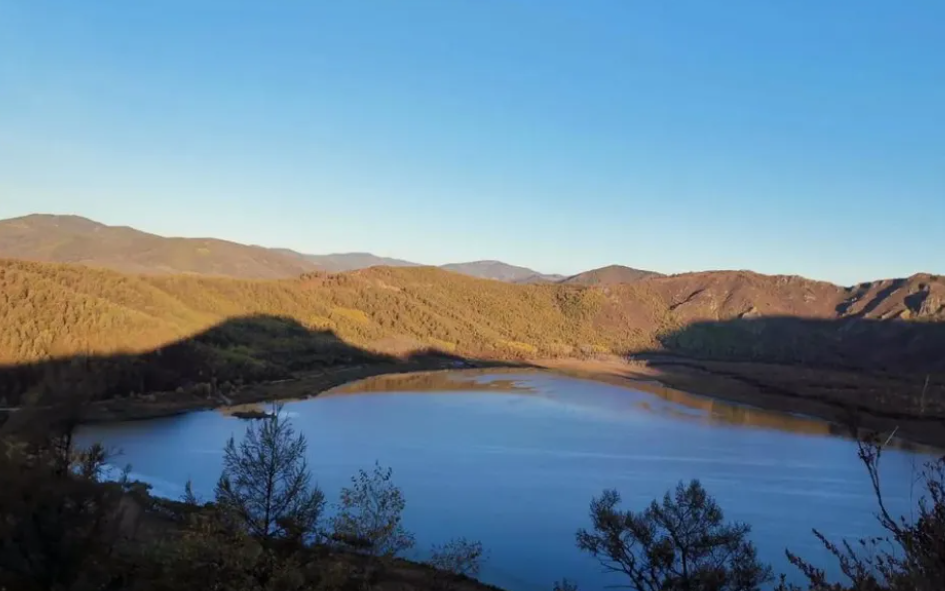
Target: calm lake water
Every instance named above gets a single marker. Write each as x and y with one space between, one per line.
513 460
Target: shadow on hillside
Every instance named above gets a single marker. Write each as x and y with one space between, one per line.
215 362
890 372
859 344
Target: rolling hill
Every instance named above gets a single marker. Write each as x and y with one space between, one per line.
501 272
73 239
610 275
56 311
346 261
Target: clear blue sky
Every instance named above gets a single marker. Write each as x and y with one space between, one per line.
797 136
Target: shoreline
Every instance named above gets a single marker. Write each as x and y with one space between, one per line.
794 391
304 385
726 382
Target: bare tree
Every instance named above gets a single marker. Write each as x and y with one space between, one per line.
910 556
266 482
681 544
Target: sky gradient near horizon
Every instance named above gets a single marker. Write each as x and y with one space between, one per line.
801 137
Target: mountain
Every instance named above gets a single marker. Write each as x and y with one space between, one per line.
610 275
74 239
55 310
500 272
351 261
345 261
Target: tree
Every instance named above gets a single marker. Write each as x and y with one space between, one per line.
370 514
266 483
910 556
60 526
454 560
681 544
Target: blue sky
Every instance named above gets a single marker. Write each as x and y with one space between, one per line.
803 137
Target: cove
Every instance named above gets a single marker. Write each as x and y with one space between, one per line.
513 458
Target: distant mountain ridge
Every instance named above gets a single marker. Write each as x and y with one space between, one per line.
610 275
347 261
75 239
501 272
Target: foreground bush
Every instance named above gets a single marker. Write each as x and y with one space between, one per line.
910 556
681 544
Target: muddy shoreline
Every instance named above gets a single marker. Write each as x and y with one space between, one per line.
841 398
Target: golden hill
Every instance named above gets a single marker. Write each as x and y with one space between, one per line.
54 311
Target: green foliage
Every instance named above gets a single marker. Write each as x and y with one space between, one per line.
681 544
266 483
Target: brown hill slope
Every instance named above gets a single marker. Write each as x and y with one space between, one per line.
609 275
58 310
73 239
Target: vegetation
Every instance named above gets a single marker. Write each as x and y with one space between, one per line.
456 559
909 557
73 334
64 528
682 543
266 483
104 334
370 513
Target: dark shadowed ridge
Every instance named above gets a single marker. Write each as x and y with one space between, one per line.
500 272
242 350
610 275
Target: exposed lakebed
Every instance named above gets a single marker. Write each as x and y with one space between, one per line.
513 458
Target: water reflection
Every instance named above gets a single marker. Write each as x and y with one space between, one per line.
668 402
512 458
472 380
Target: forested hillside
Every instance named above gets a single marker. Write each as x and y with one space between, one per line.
54 311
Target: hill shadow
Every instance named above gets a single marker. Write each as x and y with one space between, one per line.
212 364
860 344
885 373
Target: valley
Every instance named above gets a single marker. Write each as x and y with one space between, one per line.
149 344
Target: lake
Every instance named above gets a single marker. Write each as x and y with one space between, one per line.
513 458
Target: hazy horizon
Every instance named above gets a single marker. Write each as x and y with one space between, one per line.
800 139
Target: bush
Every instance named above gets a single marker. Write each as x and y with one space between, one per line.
911 554
682 543
370 514
456 559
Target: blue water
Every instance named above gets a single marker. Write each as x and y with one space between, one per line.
513 460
